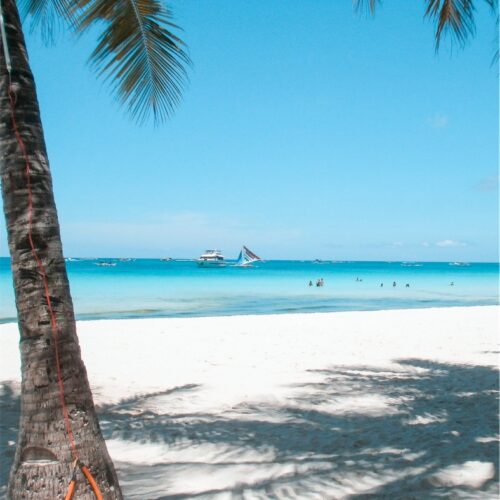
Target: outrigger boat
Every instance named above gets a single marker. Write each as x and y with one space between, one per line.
246 258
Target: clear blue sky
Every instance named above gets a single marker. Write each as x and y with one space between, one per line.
306 131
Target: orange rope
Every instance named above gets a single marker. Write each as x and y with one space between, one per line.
88 476
91 480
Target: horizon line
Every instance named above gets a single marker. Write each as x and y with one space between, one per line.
332 261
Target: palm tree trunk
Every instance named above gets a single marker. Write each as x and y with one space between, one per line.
43 460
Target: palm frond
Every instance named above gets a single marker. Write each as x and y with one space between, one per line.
138 53
456 16
46 16
494 59
366 5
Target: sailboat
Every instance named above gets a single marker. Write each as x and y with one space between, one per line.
246 257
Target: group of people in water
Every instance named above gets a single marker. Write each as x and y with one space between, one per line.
381 284
395 284
319 282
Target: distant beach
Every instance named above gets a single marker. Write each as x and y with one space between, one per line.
388 404
145 288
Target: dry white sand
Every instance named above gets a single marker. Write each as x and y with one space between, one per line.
388 404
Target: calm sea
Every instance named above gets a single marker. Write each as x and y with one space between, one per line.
153 288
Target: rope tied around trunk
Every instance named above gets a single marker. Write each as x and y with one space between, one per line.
88 476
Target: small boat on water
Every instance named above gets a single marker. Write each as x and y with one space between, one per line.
106 264
211 258
246 258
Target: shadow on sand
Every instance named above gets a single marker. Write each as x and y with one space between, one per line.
432 435
9 423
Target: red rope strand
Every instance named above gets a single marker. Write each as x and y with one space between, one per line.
43 273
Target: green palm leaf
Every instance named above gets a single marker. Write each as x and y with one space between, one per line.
368 5
494 8
454 15
138 52
46 15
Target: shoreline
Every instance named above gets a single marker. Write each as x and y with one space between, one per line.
107 317
310 405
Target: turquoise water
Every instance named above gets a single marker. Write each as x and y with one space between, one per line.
153 288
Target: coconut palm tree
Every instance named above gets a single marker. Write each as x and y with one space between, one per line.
59 435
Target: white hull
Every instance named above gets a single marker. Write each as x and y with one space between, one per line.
210 263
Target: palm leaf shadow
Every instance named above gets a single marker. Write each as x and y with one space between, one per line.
438 415
9 425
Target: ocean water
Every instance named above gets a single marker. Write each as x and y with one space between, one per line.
153 288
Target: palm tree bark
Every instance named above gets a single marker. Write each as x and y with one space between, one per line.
43 460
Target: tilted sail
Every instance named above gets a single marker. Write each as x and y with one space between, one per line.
246 257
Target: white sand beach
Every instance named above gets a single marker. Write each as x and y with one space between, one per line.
387 404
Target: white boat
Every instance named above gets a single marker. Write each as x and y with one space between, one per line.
246 257
211 258
106 263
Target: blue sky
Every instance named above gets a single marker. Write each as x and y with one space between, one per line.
306 131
